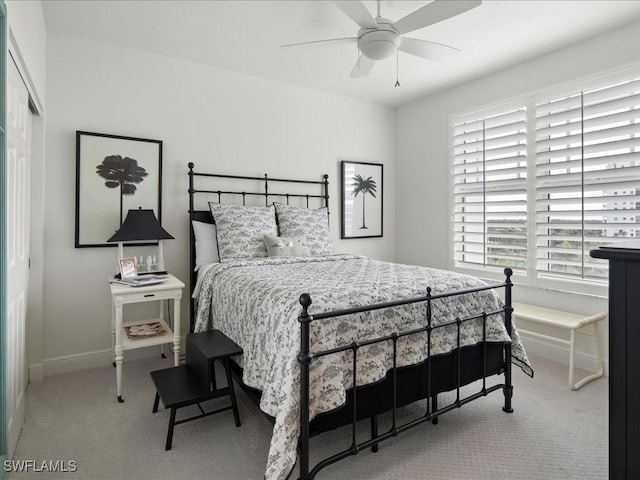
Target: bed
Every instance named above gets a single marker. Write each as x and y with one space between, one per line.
313 323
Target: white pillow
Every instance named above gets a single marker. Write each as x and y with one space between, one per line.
206 243
286 246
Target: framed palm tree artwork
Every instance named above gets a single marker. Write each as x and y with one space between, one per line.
361 200
113 175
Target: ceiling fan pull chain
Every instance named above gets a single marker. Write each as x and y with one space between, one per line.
397 74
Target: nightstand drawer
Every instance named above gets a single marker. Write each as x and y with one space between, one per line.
138 294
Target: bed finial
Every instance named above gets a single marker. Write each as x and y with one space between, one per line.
305 301
190 165
507 273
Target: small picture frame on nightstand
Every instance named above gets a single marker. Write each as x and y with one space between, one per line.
128 267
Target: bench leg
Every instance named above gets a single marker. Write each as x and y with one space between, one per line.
232 393
572 353
172 421
599 347
600 356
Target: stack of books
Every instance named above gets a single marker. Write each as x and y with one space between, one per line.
142 280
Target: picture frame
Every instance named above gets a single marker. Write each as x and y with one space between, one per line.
361 205
113 175
128 267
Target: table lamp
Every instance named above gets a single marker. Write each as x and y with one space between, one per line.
141 225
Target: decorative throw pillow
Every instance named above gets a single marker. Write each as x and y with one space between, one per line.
286 246
240 230
206 243
306 222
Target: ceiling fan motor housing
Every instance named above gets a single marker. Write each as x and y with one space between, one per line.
379 43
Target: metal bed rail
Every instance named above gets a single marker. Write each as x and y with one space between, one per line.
432 413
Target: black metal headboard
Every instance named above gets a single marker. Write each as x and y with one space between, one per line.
255 190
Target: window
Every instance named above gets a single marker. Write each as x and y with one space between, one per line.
490 196
534 183
587 151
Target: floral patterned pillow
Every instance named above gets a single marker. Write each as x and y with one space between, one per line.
240 230
306 222
286 246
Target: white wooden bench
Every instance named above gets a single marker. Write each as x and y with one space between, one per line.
566 321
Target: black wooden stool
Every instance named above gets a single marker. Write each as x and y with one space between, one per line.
195 382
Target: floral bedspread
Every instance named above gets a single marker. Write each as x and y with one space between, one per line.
256 303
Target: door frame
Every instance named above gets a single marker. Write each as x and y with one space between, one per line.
3 239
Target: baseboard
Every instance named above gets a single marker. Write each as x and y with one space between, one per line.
560 354
85 360
36 372
101 358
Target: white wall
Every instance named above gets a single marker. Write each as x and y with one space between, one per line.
223 122
27 41
422 155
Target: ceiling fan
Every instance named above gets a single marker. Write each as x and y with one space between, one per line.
378 38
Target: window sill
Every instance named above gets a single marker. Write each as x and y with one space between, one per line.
575 287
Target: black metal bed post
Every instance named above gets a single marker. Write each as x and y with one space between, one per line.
325 181
304 358
508 310
432 398
192 253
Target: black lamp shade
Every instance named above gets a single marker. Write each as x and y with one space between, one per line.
140 225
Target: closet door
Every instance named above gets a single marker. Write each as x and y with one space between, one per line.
18 220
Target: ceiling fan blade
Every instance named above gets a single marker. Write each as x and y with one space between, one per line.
357 12
426 49
434 12
363 67
331 41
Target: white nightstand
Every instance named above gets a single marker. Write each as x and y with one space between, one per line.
124 294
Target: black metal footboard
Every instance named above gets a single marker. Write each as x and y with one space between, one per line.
462 377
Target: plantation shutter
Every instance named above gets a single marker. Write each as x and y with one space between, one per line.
587 177
490 208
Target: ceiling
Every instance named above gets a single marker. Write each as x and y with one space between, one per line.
246 36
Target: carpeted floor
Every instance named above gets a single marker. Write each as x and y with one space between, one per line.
554 433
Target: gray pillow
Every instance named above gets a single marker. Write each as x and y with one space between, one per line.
240 230
306 222
286 246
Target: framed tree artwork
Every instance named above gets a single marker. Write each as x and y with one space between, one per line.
361 200
113 175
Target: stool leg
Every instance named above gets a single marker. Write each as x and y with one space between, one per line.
214 385
434 408
172 421
374 432
232 393
155 402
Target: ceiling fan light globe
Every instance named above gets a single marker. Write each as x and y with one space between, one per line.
379 44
